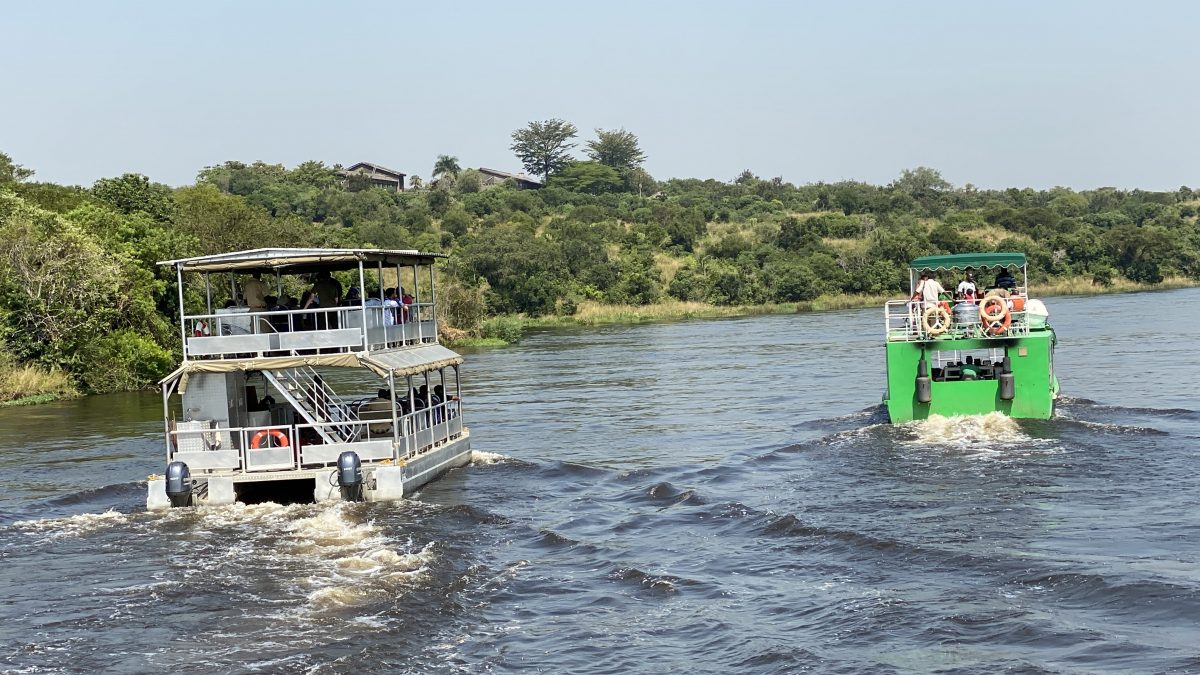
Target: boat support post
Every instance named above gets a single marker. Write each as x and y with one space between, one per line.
1008 384
924 384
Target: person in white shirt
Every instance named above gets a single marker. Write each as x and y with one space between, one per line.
966 288
929 289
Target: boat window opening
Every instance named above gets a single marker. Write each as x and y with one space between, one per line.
295 491
966 364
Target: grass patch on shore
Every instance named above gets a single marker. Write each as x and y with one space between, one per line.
1088 286
595 313
27 384
474 342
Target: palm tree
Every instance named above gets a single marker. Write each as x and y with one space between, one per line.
446 166
415 182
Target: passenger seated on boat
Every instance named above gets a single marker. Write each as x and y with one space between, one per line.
406 301
970 370
305 321
279 322
439 397
378 415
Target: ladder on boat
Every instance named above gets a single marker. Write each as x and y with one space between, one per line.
317 403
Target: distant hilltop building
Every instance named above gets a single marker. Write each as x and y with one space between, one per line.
377 176
491 178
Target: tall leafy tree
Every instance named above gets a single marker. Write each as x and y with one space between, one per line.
446 165
11 172
133 192
616 148
588 177
544 147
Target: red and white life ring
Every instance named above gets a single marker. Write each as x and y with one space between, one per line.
281 439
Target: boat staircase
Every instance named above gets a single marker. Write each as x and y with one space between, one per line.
316 402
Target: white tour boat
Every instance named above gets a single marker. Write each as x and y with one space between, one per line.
258 419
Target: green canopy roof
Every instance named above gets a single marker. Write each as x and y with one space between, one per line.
965 260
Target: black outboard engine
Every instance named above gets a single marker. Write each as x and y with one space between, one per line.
179 484
924 384
1008 385
350 477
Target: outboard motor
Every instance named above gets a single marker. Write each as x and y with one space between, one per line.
924 384
1008 385
179 484
350 477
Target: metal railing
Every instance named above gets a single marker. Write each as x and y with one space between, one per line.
314 399
334 329
902 322
302 446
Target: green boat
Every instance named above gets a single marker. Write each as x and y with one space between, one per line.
969 353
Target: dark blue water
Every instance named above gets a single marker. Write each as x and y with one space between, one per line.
710 496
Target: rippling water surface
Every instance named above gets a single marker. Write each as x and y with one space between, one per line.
710 496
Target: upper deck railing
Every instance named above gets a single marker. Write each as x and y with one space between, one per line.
905 320
367 323
237 332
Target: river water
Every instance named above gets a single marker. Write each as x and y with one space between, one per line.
707 496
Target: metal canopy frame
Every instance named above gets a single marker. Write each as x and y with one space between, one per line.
300 260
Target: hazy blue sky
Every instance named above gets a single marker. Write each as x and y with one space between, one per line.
997 94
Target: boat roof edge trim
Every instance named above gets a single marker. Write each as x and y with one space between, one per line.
403 362
309 258
961 261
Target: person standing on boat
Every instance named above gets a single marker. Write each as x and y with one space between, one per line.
966 288
254 292
1006 280
929 290
391 300
328 293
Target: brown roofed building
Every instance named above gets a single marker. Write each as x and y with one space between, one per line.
491 178
375 175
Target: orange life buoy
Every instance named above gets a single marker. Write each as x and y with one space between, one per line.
995 322
281 439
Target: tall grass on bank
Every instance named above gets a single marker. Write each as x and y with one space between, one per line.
591 313
1088 286
507 329
28 383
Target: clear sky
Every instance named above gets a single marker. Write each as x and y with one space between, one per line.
999 94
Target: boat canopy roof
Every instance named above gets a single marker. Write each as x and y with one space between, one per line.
401 362
962 261
299 260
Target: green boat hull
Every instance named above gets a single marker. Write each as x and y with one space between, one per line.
1032 361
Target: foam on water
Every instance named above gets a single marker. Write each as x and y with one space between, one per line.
73 525
981 435
483 458
992 427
